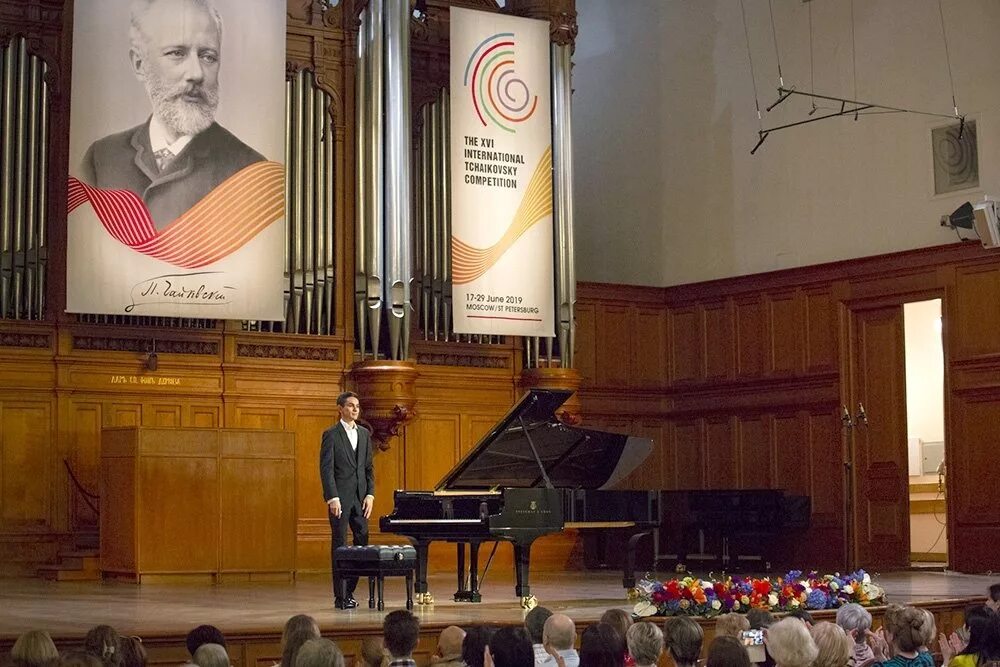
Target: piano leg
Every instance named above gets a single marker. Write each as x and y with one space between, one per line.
474 570
461 571
423 597
522 558
470 594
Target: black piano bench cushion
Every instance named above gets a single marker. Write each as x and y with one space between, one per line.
398 556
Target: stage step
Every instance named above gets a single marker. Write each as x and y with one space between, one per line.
77 565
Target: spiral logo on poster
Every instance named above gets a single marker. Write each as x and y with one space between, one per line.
497 92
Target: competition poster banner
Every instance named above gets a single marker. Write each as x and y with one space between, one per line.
501 175
176 182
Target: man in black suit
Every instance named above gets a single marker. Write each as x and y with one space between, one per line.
345 466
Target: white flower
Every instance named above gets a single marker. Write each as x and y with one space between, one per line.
644 609
808 590
834 585
772 600
793 603
716 604
736 605
849 589
867 579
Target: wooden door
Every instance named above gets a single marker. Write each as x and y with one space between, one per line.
877 440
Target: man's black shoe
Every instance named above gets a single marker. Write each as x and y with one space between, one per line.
349 603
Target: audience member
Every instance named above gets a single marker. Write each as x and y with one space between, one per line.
211 655
731 625
319 653
645 644
534 623
834 646
509 647
788 642
857 622
292 642
559 637
902 629
104 643
803 615
133 652
727 651
372 653
34 649
204 634
401 631
621 621
982 625
601 645
993 597
477 638
449 647
760 618
683 638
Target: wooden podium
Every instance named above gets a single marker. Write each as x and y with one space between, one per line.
197 504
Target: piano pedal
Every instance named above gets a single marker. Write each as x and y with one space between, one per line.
468 596
424 598
529 602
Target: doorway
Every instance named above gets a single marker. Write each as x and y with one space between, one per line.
925 433
893 416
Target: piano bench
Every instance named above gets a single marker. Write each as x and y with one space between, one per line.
376 562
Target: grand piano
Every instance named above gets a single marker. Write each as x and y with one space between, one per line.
511 487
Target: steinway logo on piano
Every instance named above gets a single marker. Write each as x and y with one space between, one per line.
533 509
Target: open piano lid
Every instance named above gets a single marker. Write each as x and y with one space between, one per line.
573 457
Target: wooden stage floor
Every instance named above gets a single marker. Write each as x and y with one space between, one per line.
67 610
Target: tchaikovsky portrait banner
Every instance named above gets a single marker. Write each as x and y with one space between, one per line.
176 189
501 175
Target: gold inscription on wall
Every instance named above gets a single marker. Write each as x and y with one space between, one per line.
145 380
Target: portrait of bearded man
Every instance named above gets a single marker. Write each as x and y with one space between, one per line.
179 154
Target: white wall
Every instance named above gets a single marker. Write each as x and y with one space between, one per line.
924 377
666 191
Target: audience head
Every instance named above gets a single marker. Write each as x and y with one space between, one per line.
511 647
299 622
450 643
983 625
292 642
534 622
34 648
619 618
601 645
133 652
401 630
993 597
645 643
559 632
854 617
79 659
683 638
904 627
204 634
760 618
319 653
104 642
474 645
802 614
211 655
731 625
928 630
372 651
728 651
789 643
833 644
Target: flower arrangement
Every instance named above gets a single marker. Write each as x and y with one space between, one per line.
705 597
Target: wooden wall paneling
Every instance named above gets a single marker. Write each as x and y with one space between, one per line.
791 452
785 333
122 413
651 475
826 468
686 345
750 337
434 449
722 470
615 334
720 357
973 314
161 414
26 463
202 416
973 464
755 452
248 415
820 330
474 427
586 343
648 363
83 430
689 454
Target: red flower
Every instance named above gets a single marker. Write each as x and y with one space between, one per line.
761 586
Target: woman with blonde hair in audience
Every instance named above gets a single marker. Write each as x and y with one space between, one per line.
731 625
727 651
319 653
78 659
903 630
34 649
683 638
297 631
789 643
833 644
